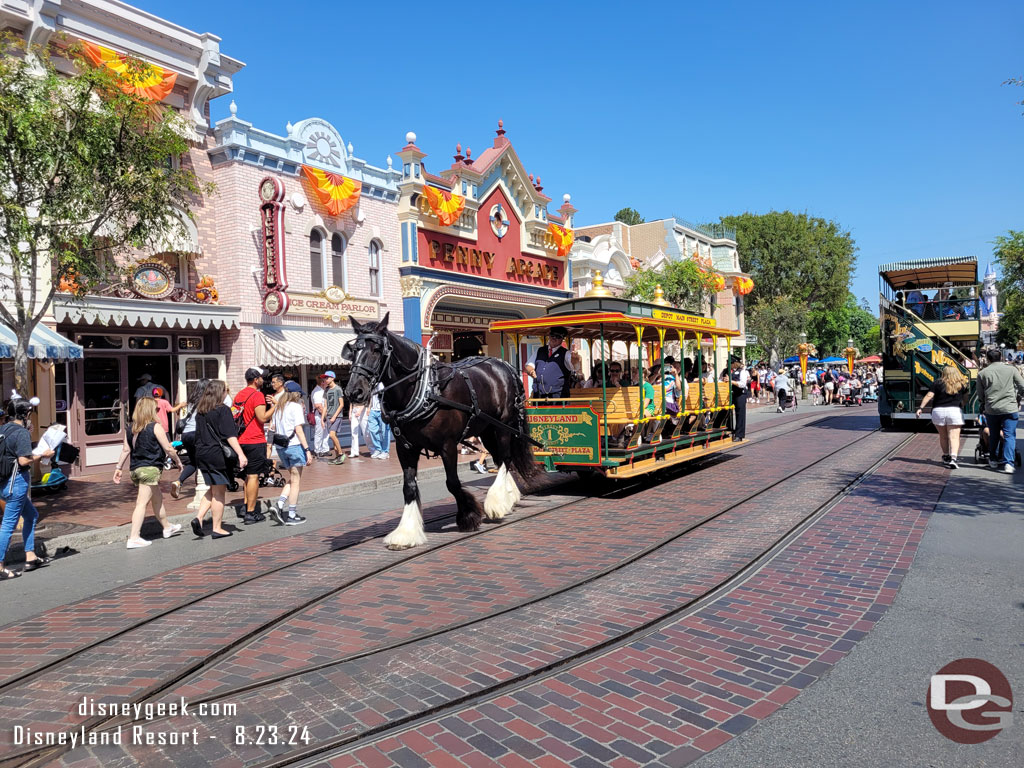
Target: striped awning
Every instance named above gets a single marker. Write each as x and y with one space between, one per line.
300 346
931 273
44 344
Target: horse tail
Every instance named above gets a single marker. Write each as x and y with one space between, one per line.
522 457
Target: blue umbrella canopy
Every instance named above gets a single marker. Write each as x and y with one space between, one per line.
834 359
796 359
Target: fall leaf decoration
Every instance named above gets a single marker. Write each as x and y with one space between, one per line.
743 285
152 83
447 206
563 237
335 192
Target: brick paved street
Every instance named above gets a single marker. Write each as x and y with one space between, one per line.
320 636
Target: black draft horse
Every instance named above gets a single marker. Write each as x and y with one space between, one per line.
487 384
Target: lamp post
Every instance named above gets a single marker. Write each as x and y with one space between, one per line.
851 353
803 349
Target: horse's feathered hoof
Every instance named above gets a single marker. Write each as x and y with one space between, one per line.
404 539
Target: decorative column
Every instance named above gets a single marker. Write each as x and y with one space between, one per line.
851 354
804 350
412 290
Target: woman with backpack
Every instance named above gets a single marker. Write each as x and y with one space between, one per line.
147 445
216 442
15 458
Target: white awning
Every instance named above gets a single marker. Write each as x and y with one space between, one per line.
300 346
44 344
100 310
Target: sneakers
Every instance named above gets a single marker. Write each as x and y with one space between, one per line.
138 543
950 461
479 466
172 530
253 517
294 520
337 461
175 490
375 455
1008 469
993 464
275 513
382 456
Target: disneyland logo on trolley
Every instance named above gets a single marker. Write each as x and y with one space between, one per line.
970 701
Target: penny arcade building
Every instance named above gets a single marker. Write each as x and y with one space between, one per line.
478 244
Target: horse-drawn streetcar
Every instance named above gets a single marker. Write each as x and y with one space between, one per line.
629 430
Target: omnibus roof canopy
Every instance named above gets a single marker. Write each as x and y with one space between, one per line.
930 273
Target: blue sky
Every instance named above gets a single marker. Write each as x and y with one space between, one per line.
888 117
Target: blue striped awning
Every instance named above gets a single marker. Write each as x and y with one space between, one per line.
45 344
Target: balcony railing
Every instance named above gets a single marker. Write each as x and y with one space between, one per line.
714 231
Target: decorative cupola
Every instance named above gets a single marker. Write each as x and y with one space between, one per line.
412 158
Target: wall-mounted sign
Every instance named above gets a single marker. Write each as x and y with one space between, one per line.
455 256
333 304
152 280
190 343
275 273
668 314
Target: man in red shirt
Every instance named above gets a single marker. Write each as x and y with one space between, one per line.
256 410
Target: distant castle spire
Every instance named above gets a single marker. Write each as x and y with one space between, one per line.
989 292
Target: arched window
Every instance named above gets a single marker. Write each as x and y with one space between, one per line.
338 260
316 259
374 268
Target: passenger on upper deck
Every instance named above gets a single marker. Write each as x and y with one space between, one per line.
551 373
915 299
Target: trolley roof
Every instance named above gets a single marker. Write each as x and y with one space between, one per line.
616 318
931 273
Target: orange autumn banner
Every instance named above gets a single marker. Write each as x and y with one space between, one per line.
563 238
153 83
743 285
335 192
447 206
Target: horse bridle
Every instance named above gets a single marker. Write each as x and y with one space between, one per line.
384 343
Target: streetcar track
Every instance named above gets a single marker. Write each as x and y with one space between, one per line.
347 743
40 756
621 487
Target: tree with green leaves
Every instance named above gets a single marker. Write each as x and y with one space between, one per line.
86 178
629 216
1009 254
777 323
807 259
685 284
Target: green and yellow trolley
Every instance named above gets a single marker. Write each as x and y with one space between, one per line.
608 429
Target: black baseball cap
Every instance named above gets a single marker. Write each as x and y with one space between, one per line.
253 373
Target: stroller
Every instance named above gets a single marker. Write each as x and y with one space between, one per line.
787 401
848 394
56 480
983 451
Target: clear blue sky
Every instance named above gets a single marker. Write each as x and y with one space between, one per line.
888 117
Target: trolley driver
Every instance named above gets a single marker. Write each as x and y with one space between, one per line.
549 370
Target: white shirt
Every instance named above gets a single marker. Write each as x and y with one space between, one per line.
782 382
317 397
288 420
742 380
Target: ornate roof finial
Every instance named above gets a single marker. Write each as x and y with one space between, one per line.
389 161
289 128
469 156
351 149
530 175
501 127
537 185
233 108
410 138
458 153
598 289
659 297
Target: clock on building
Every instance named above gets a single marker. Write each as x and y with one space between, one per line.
267 190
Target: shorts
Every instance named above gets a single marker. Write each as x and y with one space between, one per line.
950 416
829 386
146 475
336 425
256 457
292 456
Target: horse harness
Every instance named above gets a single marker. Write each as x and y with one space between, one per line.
427 397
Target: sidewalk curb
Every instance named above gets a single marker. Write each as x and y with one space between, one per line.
80 540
